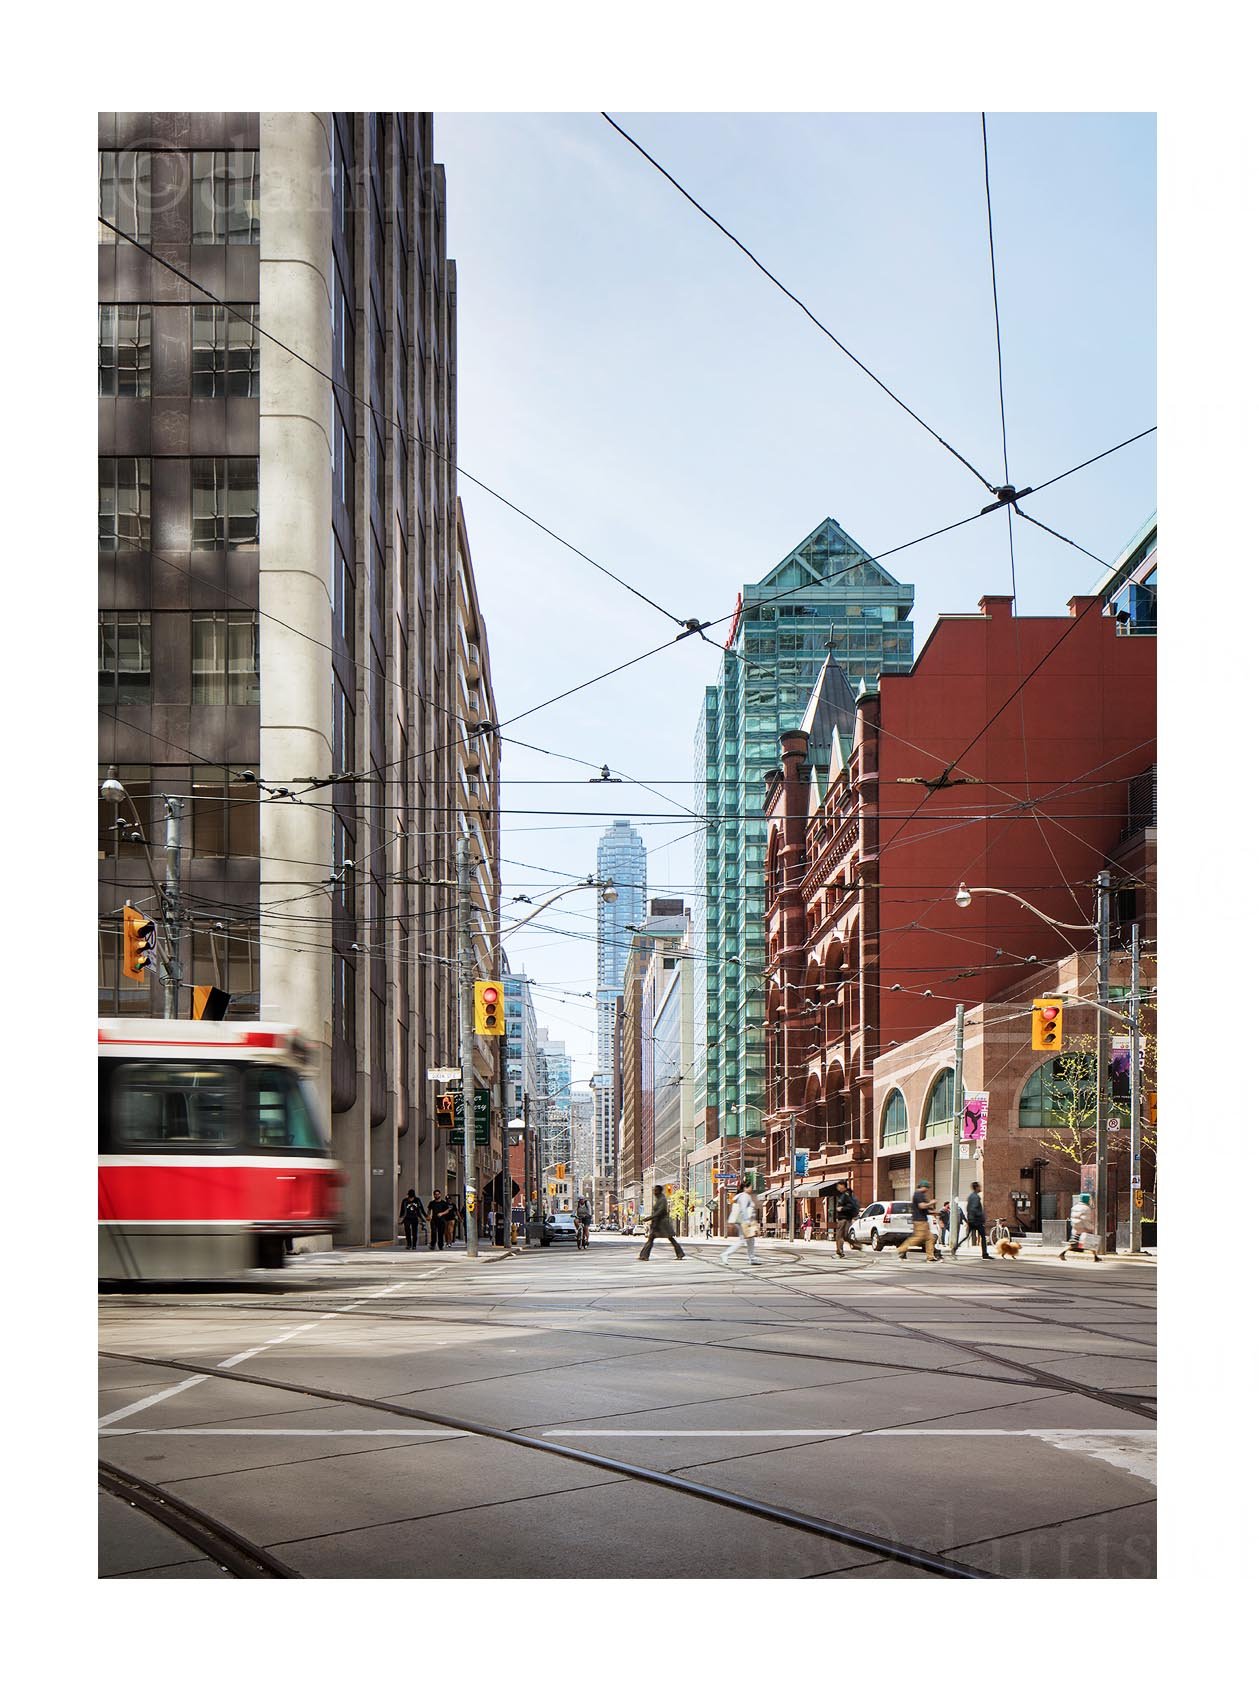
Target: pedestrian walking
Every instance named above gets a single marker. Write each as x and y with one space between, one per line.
806 1228
847 1209
944 1216
661 1226
437 1221
410 1214
922 1237
1083 1223
743 1223
976 1220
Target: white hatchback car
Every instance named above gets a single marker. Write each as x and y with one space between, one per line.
882 1223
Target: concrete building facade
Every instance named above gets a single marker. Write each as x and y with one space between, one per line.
280 552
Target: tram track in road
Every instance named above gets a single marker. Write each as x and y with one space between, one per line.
219 1543
936 1564
1042 1379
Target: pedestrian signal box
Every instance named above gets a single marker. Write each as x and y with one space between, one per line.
446 1111
488 996
1047 1024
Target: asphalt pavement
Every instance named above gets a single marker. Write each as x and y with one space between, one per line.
990 1417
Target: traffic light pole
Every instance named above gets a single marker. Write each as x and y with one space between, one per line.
791 1187
1134 1095
463 875
171 909
1103 1052
959 1109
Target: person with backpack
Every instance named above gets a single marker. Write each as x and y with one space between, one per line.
847 1209
743 1223
410 1214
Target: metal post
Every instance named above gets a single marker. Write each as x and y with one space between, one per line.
955 1150
463 875
1103 1051
1134 1097
791 1186
171 909
504 1201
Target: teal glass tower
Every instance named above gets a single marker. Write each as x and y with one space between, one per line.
826 596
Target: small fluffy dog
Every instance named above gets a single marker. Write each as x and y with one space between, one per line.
1008 1248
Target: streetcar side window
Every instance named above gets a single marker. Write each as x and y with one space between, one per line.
277 1116
175 1103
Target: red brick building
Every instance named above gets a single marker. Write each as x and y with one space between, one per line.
1017 753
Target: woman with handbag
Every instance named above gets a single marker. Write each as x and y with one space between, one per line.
743 1223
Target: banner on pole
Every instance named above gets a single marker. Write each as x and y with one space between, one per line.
975 1117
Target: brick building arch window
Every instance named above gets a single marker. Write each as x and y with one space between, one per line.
895 1124
937 1120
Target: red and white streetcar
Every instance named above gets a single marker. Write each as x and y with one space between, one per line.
210 1152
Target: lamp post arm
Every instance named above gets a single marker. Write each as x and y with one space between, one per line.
1053 922
577 887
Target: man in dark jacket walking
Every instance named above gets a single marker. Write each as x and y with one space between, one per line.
661 1226
847 1209
438 1210
976 1220
410 1214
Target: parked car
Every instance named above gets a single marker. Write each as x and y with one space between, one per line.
882 1223
558 1228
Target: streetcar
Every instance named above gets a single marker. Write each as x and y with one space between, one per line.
210 1157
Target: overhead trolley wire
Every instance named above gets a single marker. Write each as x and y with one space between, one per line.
786 291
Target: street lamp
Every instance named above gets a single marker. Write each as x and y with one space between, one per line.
1100 927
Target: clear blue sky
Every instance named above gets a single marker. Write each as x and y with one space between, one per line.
628 377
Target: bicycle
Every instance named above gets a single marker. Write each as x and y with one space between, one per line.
998 1232
583 1234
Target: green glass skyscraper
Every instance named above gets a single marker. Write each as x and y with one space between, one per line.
826 596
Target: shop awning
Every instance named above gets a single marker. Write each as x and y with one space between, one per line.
806 1188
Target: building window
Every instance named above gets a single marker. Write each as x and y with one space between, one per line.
225 502
342 728
895 1121
116 823
226 956
225 198
225 659
125 196
224 813
124 350
123 501
123 661
938 1122
225 350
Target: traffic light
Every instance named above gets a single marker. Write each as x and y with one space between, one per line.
1047 1024
446 1111
139 940
489 1007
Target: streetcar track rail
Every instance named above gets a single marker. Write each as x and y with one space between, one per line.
936 1564
1046 1380
220 1543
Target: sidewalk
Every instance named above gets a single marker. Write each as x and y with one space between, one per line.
1039 1253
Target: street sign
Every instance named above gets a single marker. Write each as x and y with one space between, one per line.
975 1117
1112 1125
727 1178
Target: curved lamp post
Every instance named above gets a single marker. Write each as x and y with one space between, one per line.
1100 927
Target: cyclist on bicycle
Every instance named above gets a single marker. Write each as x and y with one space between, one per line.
581 1214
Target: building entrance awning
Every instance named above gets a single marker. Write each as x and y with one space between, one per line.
806 1188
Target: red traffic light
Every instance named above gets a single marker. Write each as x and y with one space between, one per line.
490 994
1049 1013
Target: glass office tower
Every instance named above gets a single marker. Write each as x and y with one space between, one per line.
826 596
622 860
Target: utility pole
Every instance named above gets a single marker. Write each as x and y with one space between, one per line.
463 874
791 1186
1134 1095
504 1201
1103 1051
171 909
959 1106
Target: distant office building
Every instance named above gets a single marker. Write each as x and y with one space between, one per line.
555 1128
826 596
582 1121
290 646
649 991
622 860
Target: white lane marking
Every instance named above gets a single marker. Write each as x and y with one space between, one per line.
891 1430
150 1400
246 1354
1137 1457
207 1430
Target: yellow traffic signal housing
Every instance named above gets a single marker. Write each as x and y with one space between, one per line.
1047 1016
489 1007
139 939
446 1110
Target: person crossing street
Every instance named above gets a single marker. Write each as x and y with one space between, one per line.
922 1236
661 1226
847 1209
743 1223
976 1220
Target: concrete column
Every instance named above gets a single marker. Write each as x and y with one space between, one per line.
293 583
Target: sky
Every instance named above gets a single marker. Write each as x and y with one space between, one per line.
628 378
